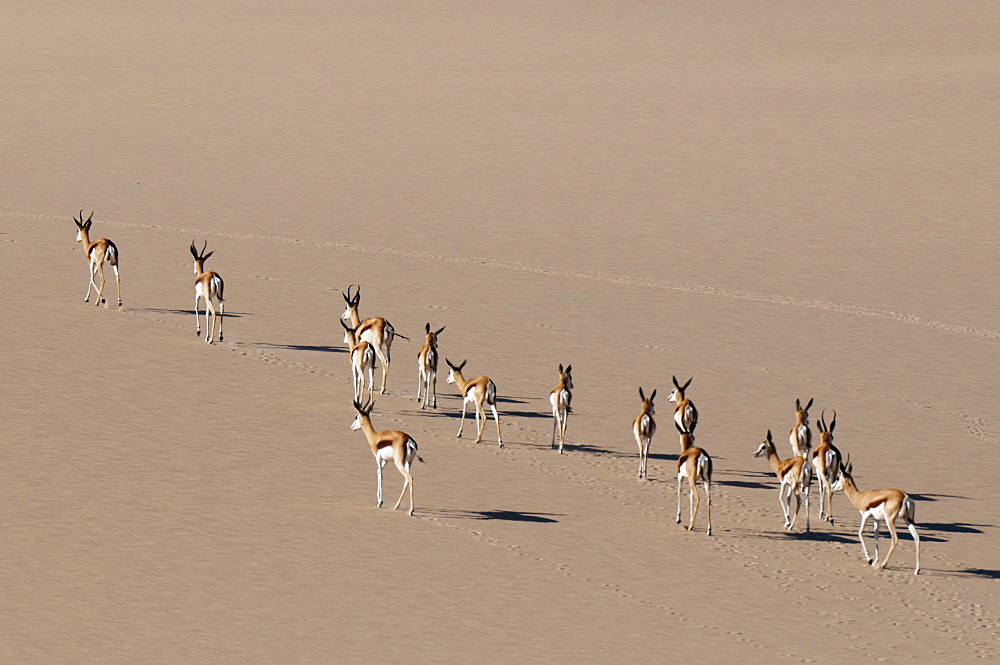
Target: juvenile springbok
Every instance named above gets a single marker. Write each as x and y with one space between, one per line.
825 462
695 465
643 427
427 367
207 285
560 398
793 474
375 330
685 414
886 505
800 436
387 445
362 361
480 390
97 252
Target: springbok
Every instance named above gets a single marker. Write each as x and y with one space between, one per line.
794 475
207 285
886 505
480 390
560 398
387 445
800 436
427 367
362 361
825 461
97 252
375 330
695 465
643 427
685 414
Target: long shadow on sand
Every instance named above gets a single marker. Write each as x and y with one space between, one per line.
186 312
505 515
949 527
301 347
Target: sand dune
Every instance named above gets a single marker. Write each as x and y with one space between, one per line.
780 201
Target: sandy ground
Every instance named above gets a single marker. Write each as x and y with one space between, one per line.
781 200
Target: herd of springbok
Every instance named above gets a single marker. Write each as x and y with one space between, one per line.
370 341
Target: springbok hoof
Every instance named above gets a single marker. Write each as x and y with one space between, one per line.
103 301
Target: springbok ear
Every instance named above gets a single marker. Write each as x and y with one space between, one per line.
560 368
569 368
368 409
652 395
347 298
208 255
439 330
798 405
89 223
769 436
833 423
809 405
676 385
688 383
357 296
427 328
358 407
459 368
641 396
89 218
194 250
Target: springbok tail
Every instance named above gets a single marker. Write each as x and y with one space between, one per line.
112 253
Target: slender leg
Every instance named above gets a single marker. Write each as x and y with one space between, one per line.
861 537
708 504
693 502
875 530
480 424
434 383
496 418
118 283
555 426
209 324
420 383
891 525
222 316
916 541
378 490
462 423
680 476
100 289
90 274
384 357
197 321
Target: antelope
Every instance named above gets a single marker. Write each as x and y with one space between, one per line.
387 445
560 398
375 330
362 360
800 436
479 390
695 465
97 252
427 367
685 415
794 475
207 285
886 505
825 461
643 427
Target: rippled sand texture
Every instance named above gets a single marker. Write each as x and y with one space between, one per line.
781 200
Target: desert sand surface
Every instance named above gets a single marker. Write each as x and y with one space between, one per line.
780 200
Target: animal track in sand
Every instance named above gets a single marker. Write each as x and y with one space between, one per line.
610 278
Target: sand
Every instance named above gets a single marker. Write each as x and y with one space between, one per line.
779 200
